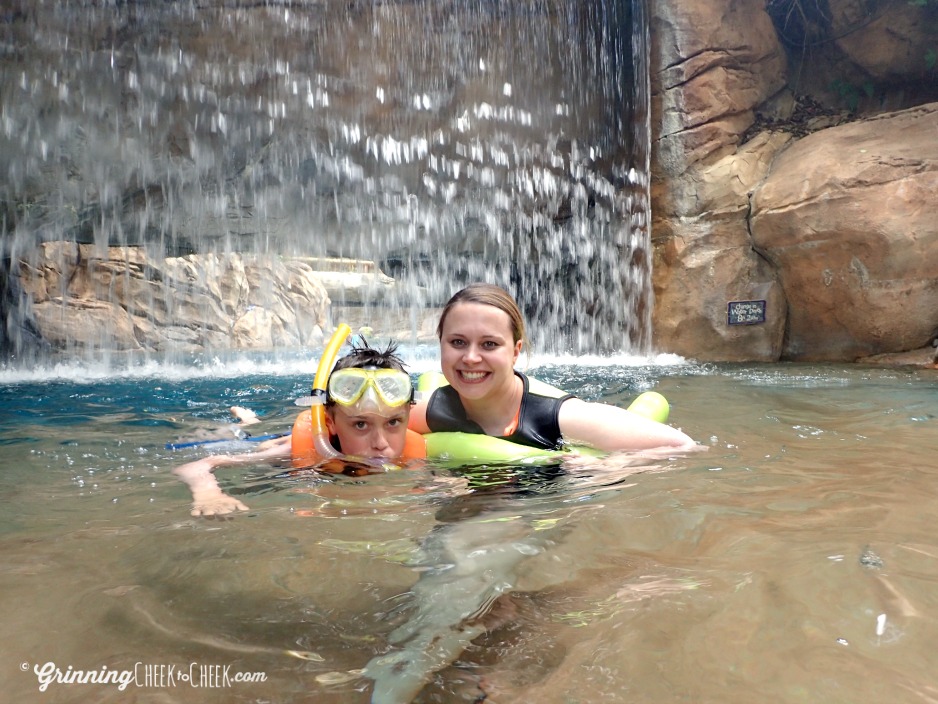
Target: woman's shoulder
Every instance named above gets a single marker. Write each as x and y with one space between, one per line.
540 388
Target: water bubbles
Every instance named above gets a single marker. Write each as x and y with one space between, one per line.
421 102
352 134
870 559
483 111
528 549
335 678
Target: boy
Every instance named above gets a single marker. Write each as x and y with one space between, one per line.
367 409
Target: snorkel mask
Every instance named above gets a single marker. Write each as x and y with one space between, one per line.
379 391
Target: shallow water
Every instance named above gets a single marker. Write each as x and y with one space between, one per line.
795 560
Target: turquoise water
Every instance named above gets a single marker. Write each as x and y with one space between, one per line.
795 560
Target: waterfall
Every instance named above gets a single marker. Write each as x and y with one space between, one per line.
446 140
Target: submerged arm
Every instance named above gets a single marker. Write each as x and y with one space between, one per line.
611 429
207 497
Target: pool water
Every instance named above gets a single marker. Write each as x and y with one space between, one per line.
795 560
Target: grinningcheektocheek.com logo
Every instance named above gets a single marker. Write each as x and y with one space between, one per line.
146 675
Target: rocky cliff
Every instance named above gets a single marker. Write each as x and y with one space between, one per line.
795 160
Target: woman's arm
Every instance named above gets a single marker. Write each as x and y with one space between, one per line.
610 428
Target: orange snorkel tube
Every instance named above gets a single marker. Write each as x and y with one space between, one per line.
320 391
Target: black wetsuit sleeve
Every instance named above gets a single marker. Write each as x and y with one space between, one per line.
445 413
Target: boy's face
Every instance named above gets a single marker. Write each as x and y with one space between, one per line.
369 434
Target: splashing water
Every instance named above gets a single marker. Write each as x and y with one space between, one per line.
448 141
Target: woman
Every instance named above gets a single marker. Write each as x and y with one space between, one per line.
481 334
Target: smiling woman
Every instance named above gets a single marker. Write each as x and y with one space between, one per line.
481 333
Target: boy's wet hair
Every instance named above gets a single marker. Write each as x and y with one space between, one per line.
364 356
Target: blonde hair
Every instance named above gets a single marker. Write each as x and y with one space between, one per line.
488 295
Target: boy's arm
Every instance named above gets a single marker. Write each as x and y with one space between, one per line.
207 497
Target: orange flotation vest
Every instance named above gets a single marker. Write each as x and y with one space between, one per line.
303 443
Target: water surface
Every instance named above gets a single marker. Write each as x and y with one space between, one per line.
795 560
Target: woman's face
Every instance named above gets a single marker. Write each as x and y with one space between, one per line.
477 350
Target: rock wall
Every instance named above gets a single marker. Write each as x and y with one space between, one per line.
794 159
815 204
846 218
712 64
119 298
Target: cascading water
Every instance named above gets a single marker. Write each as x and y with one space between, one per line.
447 140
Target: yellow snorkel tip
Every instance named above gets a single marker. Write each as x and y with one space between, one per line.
327 361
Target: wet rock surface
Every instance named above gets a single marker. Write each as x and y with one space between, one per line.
821 125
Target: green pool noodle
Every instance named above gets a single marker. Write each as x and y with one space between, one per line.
484 449
652 405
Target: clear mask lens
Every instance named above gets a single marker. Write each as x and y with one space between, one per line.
387 387
370 403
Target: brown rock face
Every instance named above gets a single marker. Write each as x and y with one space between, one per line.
888 40
718 62
847 218
119 298
832 229
709 262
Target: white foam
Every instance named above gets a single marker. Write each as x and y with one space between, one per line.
418 359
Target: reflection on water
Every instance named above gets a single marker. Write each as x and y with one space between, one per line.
796 560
